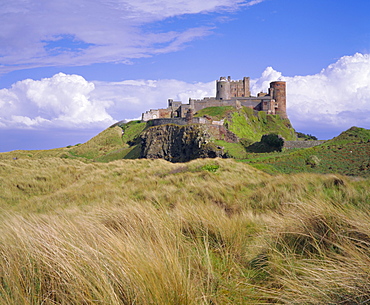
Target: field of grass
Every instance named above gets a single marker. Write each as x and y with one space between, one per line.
211 231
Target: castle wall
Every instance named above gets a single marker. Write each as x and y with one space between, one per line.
150 115
183 121
252 103
212 102
302 144
227 88
229 93
163 121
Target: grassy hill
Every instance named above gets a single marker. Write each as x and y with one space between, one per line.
113 143
348 154
249 126
211 231
121 141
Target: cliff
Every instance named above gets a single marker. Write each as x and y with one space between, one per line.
177 143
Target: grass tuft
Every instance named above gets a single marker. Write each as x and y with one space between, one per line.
210 231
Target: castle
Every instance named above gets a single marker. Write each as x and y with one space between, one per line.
229 93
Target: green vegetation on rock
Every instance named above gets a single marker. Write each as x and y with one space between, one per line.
246 124
217 113
132 130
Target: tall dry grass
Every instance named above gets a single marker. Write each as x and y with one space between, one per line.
204 232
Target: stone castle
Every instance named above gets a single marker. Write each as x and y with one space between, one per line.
229 93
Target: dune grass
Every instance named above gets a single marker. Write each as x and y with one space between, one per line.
210 231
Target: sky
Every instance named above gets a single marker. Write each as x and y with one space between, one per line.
70 69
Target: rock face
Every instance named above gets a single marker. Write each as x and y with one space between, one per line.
177 143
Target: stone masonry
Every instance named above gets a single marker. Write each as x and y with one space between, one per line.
229 93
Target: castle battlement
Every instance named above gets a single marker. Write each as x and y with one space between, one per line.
234 93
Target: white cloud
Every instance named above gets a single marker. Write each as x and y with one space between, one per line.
335 99
338 97
81 32
323 104
60 101
69 101
132 97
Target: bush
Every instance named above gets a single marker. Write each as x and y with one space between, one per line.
273 140
306 137
211 167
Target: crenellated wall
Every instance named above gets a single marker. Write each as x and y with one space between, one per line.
229 93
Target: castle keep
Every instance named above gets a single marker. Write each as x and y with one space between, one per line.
229 93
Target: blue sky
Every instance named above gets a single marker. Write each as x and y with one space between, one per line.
69 69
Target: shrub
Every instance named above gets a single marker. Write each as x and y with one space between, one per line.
273 140
211 167
305 137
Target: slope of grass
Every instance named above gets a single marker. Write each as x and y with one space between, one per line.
211 231
113 143
352 135
217 113
347 154
108 140
245 124
248 124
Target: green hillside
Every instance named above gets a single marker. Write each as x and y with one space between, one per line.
249 126
348 154
122 140
113 143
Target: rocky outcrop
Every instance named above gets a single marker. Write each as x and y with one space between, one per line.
177 143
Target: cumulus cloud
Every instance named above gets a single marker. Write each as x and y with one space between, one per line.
328 102
69 101
132 97
60 101
323 104
337 97
81 32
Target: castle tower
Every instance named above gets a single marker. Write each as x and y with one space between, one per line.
247 92
223 89
191 103
279 95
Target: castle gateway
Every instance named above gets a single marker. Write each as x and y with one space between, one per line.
229 93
